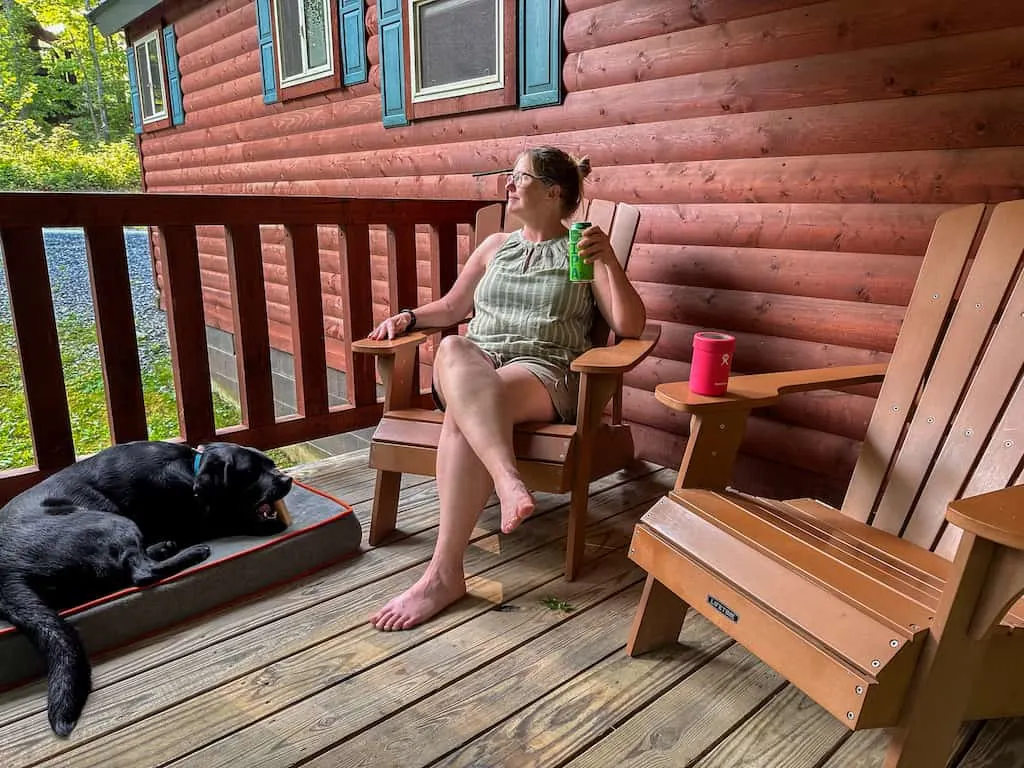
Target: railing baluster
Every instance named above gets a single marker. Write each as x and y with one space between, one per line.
444 261
302 256
115 331
402 278
402 266
36 331
360 380
187 330
252 339
174 219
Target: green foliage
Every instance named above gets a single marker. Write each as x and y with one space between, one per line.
556 604
32 159
65 114
86 400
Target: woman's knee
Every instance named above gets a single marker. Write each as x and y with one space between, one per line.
453 350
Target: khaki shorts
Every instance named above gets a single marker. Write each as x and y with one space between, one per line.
562 384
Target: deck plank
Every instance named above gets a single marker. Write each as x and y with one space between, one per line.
1000 743
790 730
690 718
155 690
297 676
348 478
586 708
426 731
430 660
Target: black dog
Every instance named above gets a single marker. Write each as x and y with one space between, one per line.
128 516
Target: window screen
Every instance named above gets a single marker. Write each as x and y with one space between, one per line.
458 41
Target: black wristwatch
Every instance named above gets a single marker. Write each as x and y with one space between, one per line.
412 323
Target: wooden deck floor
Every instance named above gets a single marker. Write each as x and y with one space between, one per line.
298 677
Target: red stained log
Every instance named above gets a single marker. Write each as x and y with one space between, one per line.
208 13
758 353
224 69
864 277
224 92
981 60
203 29
934 176
636 19
868 326
893 229
825 28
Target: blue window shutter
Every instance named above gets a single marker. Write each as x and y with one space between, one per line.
266 39
133 89
173 76
353 42
540 52
392 62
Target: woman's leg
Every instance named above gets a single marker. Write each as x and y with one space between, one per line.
485 412
464 485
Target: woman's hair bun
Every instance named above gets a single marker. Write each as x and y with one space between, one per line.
583 164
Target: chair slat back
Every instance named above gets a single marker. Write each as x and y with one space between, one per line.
939 429
619 220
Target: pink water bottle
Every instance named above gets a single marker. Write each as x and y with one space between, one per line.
712 361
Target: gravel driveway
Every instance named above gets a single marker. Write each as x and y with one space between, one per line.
69 280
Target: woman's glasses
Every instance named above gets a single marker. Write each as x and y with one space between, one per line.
516 178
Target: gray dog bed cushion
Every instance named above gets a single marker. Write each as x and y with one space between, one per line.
323 531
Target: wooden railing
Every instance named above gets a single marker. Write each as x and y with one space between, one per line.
174 218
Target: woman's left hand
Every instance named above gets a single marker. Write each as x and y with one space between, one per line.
595 247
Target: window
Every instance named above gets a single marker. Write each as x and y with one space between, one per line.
472 30
154 81
443 57
303 35
310 46
150 64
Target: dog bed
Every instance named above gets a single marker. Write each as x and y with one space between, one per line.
323 531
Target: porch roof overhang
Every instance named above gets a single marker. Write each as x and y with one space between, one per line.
113 15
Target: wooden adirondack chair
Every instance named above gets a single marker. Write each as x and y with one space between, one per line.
859 608
551 457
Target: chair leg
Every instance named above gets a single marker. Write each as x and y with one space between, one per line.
659 618
385 505
577 535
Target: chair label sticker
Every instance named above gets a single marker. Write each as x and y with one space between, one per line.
723 609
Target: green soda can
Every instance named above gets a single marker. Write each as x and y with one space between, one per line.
579 270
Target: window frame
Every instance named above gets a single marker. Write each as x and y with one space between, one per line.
315 83
501 95
157 119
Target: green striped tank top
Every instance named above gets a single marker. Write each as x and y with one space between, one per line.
525 306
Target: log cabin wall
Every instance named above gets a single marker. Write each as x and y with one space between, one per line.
789 158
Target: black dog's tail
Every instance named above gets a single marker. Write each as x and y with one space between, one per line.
68 671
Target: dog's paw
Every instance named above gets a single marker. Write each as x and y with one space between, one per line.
162 550
202 551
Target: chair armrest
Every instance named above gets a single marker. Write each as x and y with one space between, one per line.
997 516
388 346
759 390
620 357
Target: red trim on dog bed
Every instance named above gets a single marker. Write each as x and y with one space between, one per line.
347 510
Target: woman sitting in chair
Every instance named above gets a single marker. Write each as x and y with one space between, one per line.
512 365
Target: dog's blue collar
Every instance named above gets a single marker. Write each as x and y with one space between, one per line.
195 463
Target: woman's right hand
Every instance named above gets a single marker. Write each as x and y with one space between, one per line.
395 325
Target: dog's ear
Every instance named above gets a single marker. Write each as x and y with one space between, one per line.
214 474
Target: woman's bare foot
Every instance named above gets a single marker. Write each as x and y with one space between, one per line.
517 503
427 597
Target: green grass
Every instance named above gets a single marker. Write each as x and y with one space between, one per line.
84 382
